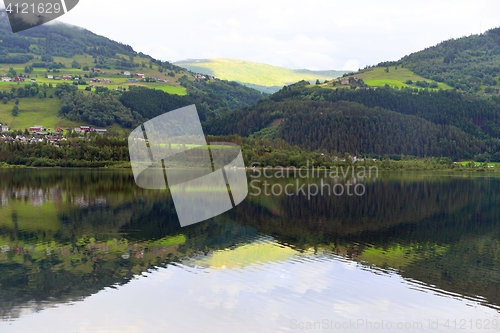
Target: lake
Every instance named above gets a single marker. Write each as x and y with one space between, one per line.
89 251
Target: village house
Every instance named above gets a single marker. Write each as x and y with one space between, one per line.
87 129
50 76
140 75
67 77
36 128
126 73
107 81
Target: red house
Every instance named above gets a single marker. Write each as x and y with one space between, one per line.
140 75
36 128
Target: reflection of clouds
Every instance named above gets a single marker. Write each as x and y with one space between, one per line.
35 196
306 287
39 197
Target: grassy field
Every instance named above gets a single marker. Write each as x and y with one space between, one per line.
255 73
44 112
464 163
378 77
117 79
33 111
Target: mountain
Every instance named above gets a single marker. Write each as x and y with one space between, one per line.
44 56
372 121
469 64
263 77
442 101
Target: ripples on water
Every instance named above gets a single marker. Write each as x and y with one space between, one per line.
88 252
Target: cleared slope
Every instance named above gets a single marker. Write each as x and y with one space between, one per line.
256 75
395 77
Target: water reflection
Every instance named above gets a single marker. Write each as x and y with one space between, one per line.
66 235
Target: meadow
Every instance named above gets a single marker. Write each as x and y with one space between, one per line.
34 111
378 77
255 73
44 112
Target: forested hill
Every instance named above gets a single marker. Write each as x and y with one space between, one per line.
469 64
380 121
63 40
97 71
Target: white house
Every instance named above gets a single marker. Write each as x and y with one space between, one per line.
5 128
50 76
126 73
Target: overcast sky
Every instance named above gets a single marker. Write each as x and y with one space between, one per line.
319 34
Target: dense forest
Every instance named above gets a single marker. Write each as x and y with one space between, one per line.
384 120
465 63
212 99
100 109
233 94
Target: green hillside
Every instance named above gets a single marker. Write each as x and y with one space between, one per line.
442 101
374 121
266 78
34 112
33 63
469 64
395 76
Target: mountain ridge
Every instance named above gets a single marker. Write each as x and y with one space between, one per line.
264 77
33 62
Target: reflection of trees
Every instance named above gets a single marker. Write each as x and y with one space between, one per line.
449 227
387 203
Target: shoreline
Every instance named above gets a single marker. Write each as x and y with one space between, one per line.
327 169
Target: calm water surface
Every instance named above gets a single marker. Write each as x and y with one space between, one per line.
89 251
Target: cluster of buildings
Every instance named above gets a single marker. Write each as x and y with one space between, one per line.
151 79
99 80
49 138
87 129
200 76
40 130
20 78
64 77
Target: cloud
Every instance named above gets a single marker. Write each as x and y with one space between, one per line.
320 35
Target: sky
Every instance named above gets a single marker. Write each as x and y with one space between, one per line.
320 34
